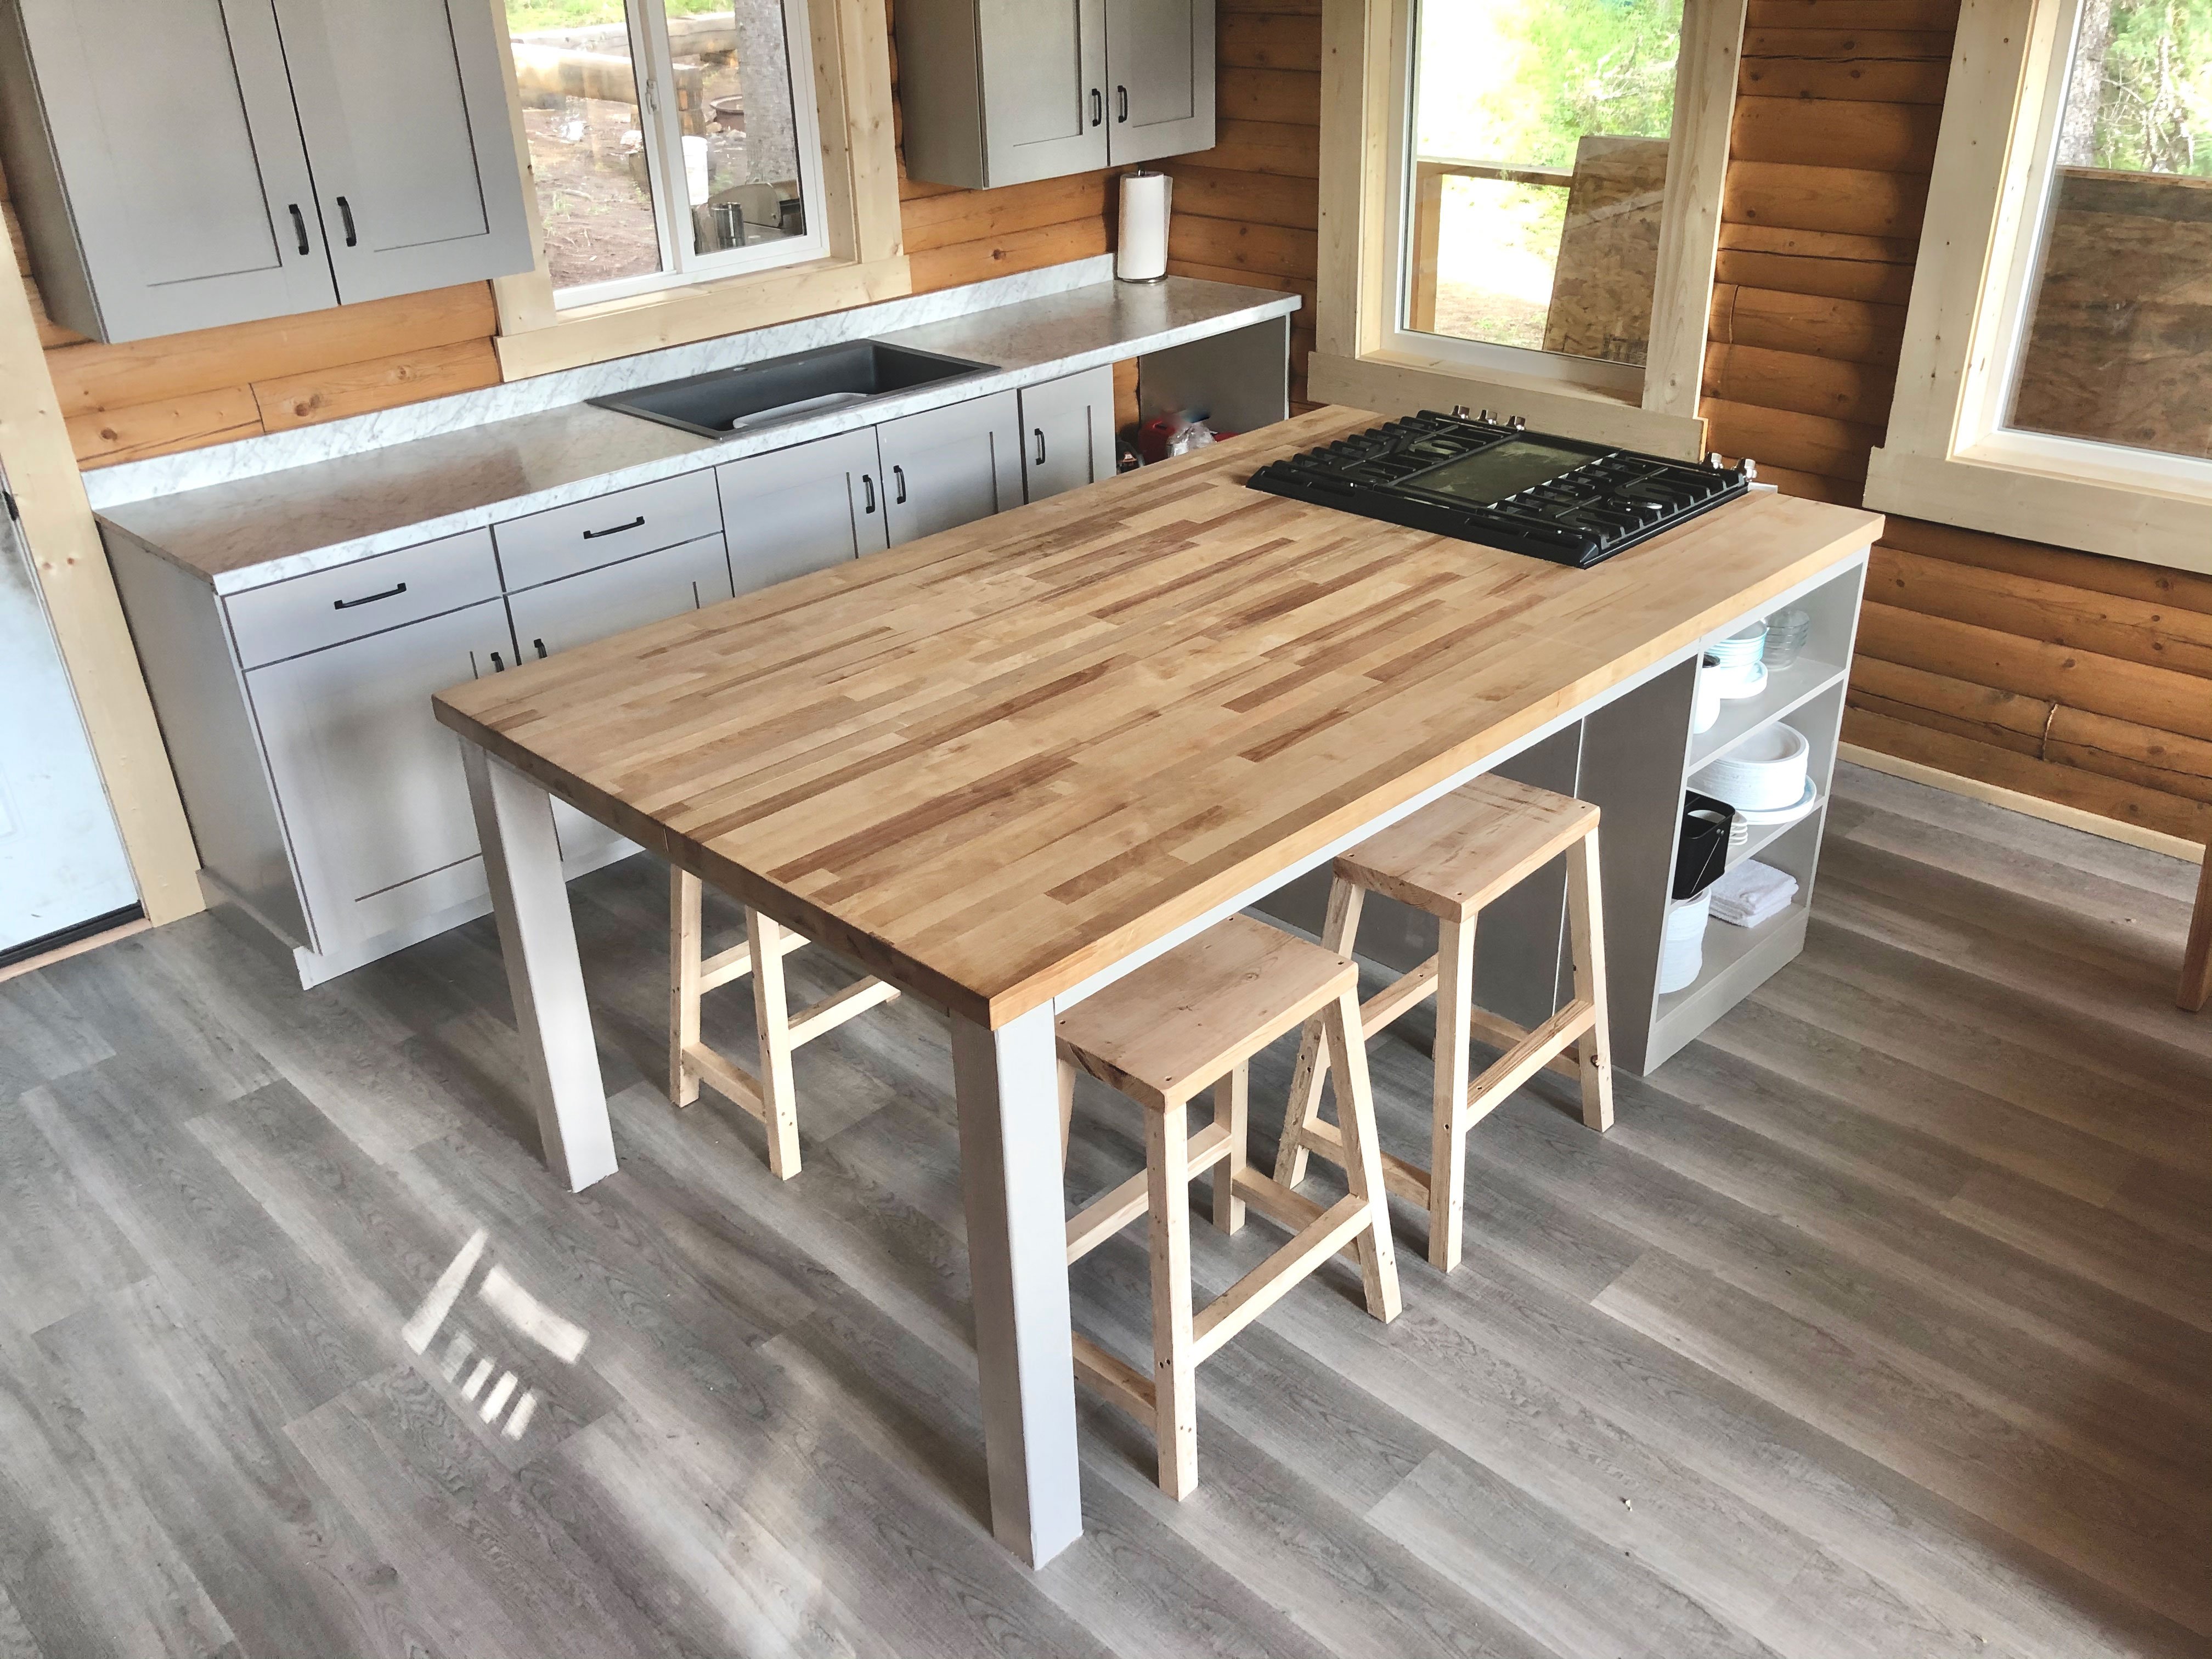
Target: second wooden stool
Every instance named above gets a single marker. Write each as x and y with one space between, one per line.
1190 1018
1451 859
770 1097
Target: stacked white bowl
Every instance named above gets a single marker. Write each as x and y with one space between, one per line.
1765 773
1736 667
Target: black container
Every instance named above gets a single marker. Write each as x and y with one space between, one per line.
1703 854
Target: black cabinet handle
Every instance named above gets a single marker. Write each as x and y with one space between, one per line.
368 598
869 485
300 223
497 666
1121 104
346 212
1097 114
898 477
540 644
614 529
1039 438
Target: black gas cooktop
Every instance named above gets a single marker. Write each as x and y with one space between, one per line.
1504 486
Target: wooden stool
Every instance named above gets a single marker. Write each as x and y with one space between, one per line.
768 1097
1195 1016
1450 859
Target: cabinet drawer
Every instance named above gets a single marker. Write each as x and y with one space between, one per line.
585 534
366 597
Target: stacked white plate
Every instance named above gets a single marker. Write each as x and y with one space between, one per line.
1765 773
1682 950
1734 665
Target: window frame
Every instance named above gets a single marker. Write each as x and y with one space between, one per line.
1948 455
853 253
1364 357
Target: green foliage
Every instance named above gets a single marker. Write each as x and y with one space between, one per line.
2156 111
529 16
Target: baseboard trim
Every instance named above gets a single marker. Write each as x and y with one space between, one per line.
2051 811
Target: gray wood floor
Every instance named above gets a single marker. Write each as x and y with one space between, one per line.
1881 1325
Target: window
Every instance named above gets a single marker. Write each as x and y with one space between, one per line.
1522 199
672 140
2057 375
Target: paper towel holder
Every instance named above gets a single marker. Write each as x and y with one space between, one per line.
1167 207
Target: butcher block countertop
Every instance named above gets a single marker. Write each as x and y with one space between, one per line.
998 760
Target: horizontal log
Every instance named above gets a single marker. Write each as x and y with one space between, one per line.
1847 331
1819 244
1866 80
1846 46
164 426
1275 248
2092 792
967 215
1301 286
2009 711
1258 95
1941 719
1793 380
1269 8
1856 201
1804 443
1763 15
1257 198
1812 486
2153 583
95 376
1279 148
575 74
1002 256
1832 279
330 394
2160 637
1270 40
1836 133
2121 749
2127 691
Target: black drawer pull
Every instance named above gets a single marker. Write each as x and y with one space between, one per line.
1039 438
368 598
868 484
299 224
614 529
1121 102
1097 108
497 666
346 212
898 476
540 644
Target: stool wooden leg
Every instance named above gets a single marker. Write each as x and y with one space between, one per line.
1174 1363
683 955
1586 921
1355 1116
2195 987
1448 1095
1340 929
1233 1103
772 1019
1066 1107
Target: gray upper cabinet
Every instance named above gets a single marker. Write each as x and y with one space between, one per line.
404 110
1001 92
180 164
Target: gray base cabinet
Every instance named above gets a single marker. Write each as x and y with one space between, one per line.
1001 92
328 802
178 164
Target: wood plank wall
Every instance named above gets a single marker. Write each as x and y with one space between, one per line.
186 391
2059 674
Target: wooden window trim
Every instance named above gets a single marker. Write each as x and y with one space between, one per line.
1363 44
859 212
1948 457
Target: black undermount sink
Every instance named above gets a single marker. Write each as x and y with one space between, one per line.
728 400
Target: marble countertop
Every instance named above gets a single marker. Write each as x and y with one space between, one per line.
245 532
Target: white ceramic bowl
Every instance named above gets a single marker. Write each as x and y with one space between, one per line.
1765 771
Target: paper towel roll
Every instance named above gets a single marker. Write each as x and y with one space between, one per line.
1141 254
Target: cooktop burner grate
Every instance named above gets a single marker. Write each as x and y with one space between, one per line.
1504 486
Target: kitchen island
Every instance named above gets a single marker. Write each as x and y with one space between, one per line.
1002 766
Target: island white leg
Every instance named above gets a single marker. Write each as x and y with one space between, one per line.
538 938
1008 1086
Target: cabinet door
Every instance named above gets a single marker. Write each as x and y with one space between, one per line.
404 104
952 466
795 510
175 193
1067 433
1044 88
1159 61
370 785
578 610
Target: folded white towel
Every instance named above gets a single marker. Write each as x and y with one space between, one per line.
1753 893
